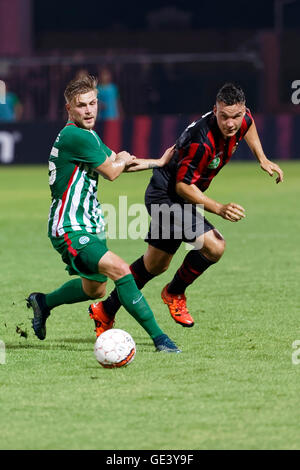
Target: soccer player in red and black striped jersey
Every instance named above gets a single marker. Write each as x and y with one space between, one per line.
176 189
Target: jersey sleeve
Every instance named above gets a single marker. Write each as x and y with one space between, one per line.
246 123
84 147
192 164
107 150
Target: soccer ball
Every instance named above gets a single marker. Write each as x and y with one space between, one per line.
114 348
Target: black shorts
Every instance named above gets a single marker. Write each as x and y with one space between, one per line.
172 222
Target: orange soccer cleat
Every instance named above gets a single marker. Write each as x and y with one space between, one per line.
102 321
177 307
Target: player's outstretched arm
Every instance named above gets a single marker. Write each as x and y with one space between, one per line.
191 193
148 163
113 167
253 141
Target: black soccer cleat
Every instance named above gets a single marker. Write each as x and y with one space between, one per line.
36 301
164 344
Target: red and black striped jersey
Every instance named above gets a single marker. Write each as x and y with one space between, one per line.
201 152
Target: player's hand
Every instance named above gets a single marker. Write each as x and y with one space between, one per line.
270 168
232 212
167 155
129 159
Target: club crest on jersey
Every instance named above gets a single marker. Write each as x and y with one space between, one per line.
214 163
84 240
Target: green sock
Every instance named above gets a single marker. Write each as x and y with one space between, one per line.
69 293
134 302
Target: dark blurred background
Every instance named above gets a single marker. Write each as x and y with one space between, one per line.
159 64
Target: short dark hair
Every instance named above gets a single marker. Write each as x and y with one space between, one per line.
78 86
230 94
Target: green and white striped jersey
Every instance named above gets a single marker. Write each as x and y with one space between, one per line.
73 181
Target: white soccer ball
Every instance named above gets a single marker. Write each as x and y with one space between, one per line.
114 348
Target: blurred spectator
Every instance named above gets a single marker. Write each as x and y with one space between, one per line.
12 109
108 96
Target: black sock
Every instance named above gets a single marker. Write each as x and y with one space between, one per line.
112 303
141 277
140 273
193 266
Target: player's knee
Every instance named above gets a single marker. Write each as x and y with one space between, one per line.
156 261
219 249
121 270
158 267
214 246
163 267
113 266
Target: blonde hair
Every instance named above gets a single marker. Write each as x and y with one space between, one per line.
80 85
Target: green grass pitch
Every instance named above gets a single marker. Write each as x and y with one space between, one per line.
233 387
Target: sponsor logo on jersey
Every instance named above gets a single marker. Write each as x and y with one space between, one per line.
84 240
214 163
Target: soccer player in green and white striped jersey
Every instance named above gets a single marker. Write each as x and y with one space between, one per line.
76 225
